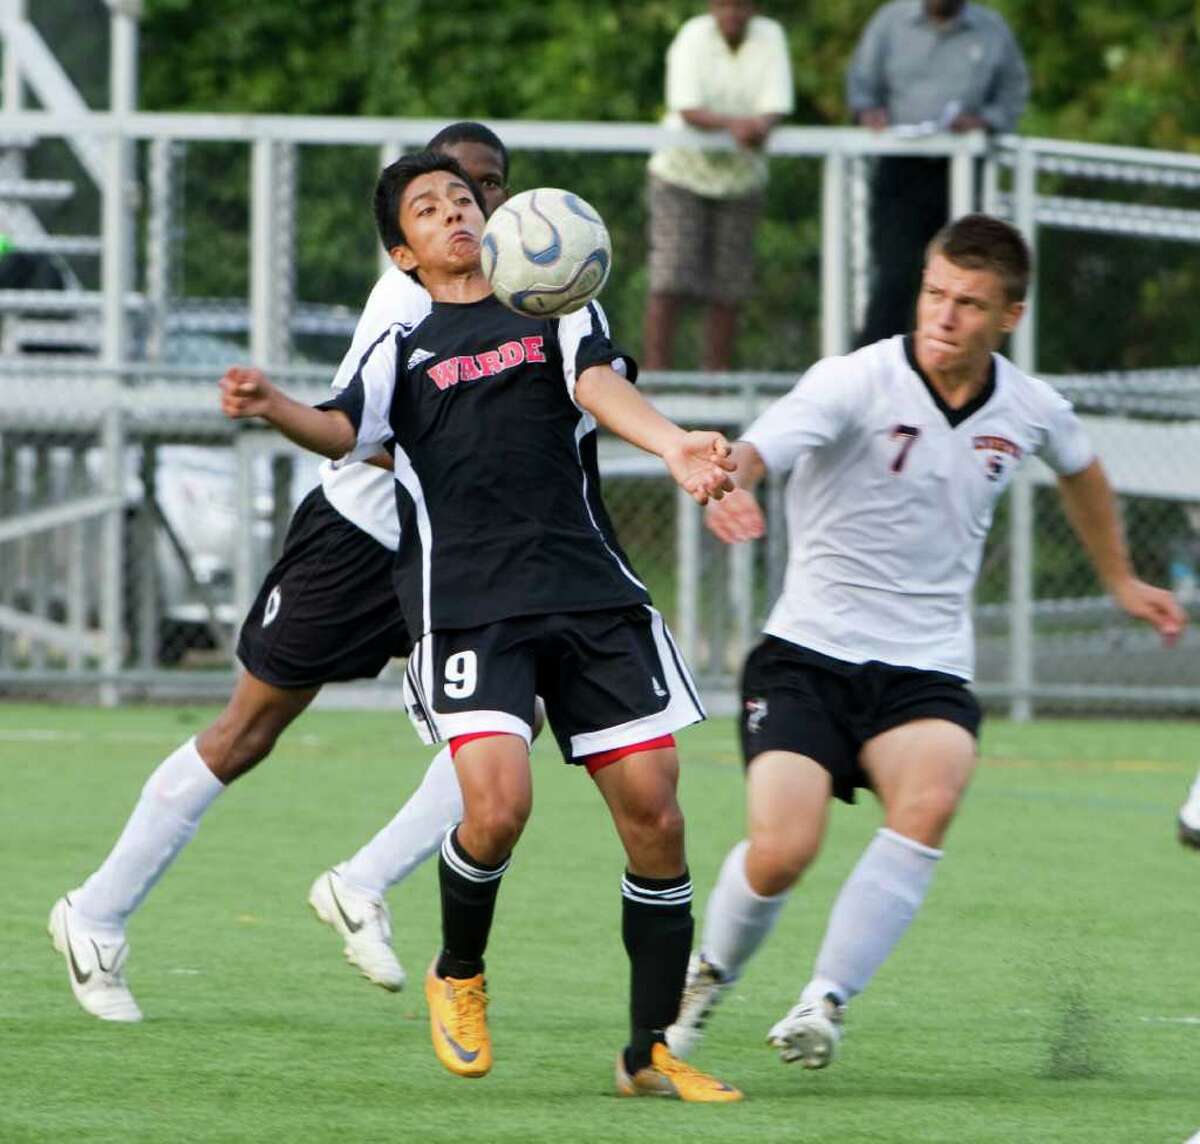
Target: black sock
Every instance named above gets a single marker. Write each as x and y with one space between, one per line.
657 927
469 890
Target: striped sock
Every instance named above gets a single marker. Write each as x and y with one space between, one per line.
469 890
657 926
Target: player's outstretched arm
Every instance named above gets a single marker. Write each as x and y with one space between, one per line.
246 393
736 517
1092 510
698 460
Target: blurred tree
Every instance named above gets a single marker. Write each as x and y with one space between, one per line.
1113 73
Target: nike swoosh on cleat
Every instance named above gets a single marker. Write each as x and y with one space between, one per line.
351 925
81 977
462 1054
100 960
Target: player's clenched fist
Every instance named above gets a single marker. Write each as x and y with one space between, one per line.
245 392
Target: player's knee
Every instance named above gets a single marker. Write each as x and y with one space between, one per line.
774 863
231 748
656 827
501 823
926 814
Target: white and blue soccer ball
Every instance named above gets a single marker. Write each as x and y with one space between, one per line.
546 253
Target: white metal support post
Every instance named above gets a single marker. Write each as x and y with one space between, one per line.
861 172
962 181
264 172
9 503
123 54
12 88
687 575
1021 502
117 230
112 570
79 553
388 154
272 289
11 12
161 240
742 559
834 326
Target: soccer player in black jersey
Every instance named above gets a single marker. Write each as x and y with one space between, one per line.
513 582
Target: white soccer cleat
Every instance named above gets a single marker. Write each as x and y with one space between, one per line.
1189 819
95 966
703 990
1189 834
810 1032
365 925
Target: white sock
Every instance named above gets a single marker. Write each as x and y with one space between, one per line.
413 835
874 908
171 805
736 920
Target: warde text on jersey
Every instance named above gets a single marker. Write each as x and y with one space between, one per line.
473 367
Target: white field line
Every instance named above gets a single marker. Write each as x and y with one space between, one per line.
50 735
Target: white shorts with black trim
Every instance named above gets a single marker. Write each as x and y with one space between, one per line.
609 679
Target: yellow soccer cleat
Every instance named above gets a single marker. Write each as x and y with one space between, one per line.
458 1023
668 1076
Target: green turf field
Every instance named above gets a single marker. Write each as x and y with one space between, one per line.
1050 991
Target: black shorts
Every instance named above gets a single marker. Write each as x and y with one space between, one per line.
609 679
327 611
798 700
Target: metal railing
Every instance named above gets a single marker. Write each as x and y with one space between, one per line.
117 405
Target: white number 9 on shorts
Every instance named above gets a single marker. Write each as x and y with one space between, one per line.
461 675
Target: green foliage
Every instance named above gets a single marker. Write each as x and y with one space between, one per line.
1114 73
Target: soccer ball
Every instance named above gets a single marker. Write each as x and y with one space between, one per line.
546 253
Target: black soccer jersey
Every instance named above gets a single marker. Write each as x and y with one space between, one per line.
497 485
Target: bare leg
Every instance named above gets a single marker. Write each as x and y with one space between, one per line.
920 771
656 893
640 791
245 733
660 327
720 332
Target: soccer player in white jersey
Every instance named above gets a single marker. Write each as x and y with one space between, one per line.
1189 818
897 455
325 612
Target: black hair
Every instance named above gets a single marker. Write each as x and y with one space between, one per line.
468 131
396 176
981 242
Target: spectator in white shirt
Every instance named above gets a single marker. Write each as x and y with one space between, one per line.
727 71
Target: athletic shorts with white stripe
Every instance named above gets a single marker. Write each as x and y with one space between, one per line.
609 679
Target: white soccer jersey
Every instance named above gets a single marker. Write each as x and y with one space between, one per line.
365 494
890 499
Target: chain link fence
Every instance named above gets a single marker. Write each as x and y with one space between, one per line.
135 523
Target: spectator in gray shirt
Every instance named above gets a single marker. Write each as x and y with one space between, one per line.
944 65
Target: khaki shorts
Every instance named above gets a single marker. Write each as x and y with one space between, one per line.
701 247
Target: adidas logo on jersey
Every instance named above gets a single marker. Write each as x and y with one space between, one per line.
418 356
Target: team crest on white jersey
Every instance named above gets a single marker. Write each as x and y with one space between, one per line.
1002 454
418 356
756 712
272 607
